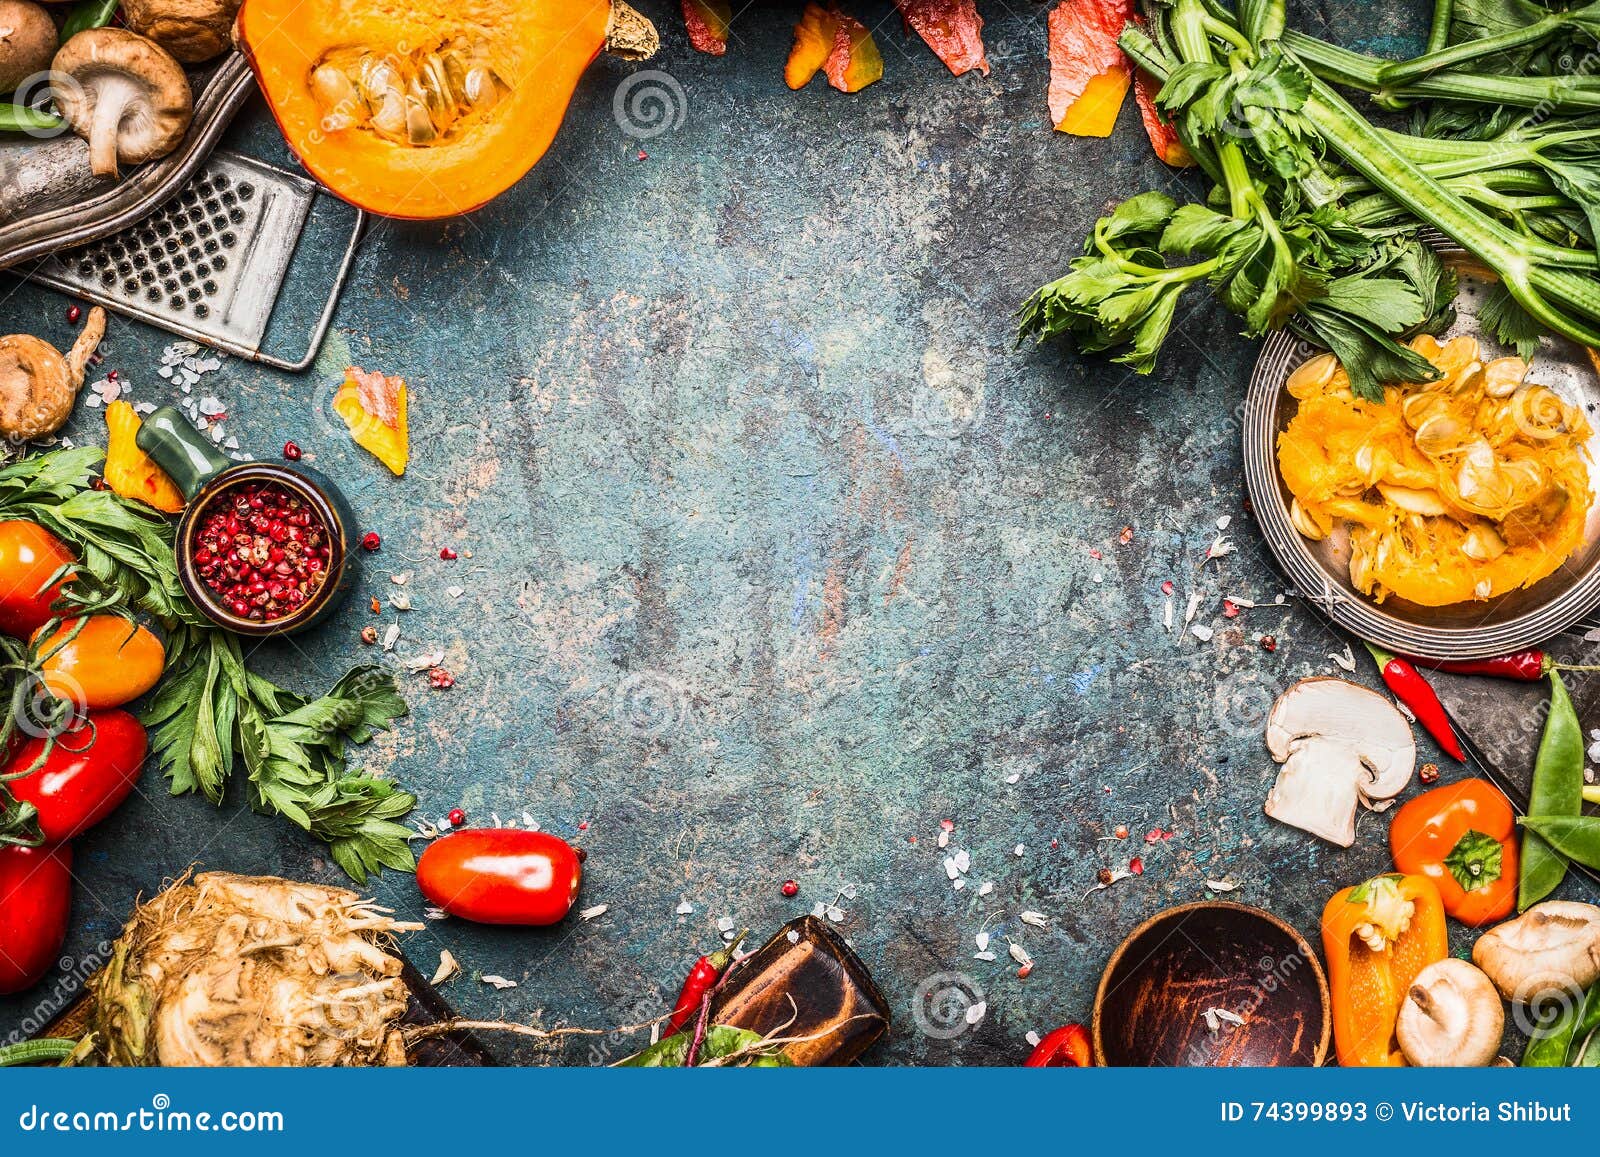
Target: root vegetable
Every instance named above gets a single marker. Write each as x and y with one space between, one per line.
124 94
192 30
27 42
1550 952
248 970
38 385
1451 1017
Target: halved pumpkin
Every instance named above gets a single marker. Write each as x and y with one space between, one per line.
432 107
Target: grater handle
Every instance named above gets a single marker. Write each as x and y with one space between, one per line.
181 450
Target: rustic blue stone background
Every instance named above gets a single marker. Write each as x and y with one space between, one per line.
780 553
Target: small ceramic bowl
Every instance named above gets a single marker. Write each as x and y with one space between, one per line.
201 474
1172 989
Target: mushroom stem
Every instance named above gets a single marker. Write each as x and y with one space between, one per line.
108 112
83 349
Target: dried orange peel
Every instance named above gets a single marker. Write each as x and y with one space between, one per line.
1455 490
129 471
374 407
840 46
1089 73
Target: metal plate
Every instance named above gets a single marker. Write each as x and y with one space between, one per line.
1321 570
47 201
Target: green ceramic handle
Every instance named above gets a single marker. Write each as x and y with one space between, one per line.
181 450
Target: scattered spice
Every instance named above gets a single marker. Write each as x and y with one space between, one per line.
1025 971
1136 866
457 817
1126 536
790 888
440 679
1269 643
375 606
1105 877
449 966
371 540
291 451
1120 831
1429 773
447 554
369 634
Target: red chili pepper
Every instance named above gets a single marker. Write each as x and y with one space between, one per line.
1525 666
1413 690
1066 1048
701 979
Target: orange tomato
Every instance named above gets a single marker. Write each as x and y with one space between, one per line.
110 662
29 555
1463 837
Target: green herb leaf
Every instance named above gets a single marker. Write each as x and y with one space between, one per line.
1475 861
721 1040
210 709
1508 323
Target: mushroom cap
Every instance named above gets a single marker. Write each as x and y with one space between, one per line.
1341 746
1451 1017
36 389
27 42
125 94
192 30
1550 952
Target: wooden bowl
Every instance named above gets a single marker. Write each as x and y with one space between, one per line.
1219 957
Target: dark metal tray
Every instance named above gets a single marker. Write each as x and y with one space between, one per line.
49 200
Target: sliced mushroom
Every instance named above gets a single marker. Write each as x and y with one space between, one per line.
38 385
1551 951
122 93
1341 746
27 42
1451 1018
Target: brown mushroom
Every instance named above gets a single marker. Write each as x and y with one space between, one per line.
27 42
122 93
1550 952
192 30
38 384
1451 1018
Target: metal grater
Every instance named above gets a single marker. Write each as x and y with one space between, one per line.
210 263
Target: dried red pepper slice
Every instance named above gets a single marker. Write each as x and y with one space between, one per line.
1163 136
952 28
707 24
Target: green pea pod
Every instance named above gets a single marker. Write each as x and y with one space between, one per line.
88 14
1569 1039
19 118
1557 790
1575 837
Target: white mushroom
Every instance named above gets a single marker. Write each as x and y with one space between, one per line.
1551 951
1341 746
1451 1018
122 93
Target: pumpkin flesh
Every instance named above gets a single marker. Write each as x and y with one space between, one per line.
425 109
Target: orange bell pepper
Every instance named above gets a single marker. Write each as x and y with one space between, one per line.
1377 937
1463 837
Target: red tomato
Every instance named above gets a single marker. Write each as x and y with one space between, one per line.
35 897
501 876
29 555
109 663
89 771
